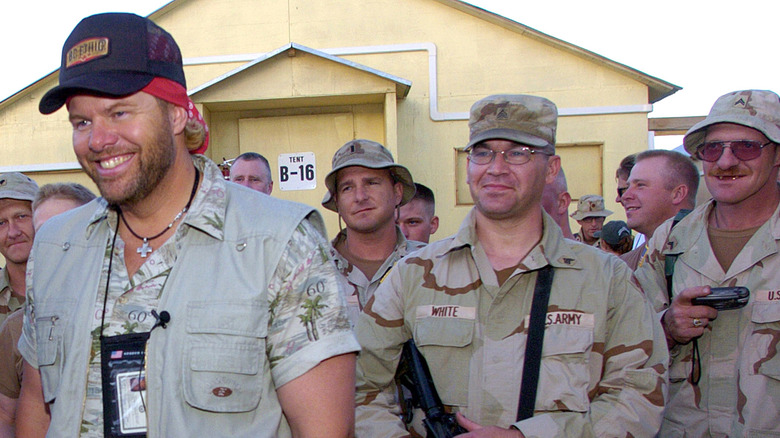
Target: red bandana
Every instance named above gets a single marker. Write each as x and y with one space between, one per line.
175 93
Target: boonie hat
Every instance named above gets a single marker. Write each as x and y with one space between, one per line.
757 109
114 54
370 154
15 185
590 206
524 119
613 232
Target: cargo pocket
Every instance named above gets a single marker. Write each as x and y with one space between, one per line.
225 356
446 345
564 375
765 338
49 330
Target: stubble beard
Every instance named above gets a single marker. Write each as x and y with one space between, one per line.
155 160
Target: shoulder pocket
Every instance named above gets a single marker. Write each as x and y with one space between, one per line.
225 360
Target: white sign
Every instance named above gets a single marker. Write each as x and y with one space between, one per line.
297 171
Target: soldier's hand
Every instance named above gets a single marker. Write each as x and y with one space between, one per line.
476 430
683 321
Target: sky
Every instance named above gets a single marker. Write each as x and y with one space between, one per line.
707 47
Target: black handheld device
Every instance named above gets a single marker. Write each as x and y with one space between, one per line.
724 298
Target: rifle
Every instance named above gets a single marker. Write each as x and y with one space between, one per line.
413 373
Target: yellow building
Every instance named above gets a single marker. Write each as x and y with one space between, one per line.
296 79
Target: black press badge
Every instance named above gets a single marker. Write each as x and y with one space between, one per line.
124 385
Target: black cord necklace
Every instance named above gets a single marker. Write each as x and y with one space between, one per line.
145 249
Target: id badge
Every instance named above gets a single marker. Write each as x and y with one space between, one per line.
124 385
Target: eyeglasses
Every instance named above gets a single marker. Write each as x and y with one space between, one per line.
744 150
621 190
596 219
516 155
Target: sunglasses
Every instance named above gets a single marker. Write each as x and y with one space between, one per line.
621 190
744 150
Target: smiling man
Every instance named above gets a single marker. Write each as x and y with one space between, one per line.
366 187
724 364
223 299
660 184
467 300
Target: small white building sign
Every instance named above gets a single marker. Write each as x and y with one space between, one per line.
297 171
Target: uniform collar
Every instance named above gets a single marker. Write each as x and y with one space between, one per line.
552 249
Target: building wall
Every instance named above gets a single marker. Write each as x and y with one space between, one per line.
475 57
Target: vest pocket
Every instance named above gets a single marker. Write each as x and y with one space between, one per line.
49 331
224 378
225 356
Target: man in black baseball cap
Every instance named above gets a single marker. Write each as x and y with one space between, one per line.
171 305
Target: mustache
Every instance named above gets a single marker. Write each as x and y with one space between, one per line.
717 173
106 154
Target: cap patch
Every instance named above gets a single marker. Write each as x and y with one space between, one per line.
86 51
493 108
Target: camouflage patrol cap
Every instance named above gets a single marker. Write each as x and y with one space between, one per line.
590 206
757 109
524 119
15 185
370 154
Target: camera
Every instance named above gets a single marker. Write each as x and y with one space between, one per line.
724 298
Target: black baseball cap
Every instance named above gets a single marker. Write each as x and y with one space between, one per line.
114 54
613 232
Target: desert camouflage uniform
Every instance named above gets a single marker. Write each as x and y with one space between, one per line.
739 391
578 238
305 304
10 359
603 370
8 302
361 288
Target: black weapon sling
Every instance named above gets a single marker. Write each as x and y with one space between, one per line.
669 261
533 346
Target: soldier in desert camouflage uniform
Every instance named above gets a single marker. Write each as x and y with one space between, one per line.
466 299
17 191
366 187
732 240
590 215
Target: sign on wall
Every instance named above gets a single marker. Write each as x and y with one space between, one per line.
297 171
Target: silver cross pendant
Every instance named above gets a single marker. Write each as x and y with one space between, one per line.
144 249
